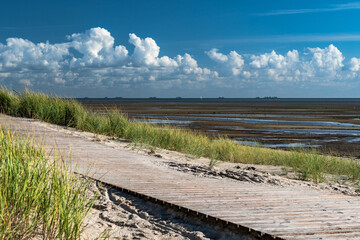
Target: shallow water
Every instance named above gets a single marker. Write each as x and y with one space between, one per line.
121 113
353 140
162 121
306 131
265 121
265 115
278 145
350 136
344 115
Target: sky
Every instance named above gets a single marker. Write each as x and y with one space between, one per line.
172 48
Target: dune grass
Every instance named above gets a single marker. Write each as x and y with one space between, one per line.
308 164
38 197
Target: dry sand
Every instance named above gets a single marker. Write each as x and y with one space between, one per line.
117 215
121 216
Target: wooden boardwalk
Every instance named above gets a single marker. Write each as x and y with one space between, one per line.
283 212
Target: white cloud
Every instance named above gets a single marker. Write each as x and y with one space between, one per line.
146 53
246 74
328 59
219 57
276 66
314 65
146 50
187 63
97 47
231 63
355 64
235 62
274 60
21 53
331 8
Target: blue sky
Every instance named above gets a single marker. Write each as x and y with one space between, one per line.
182 48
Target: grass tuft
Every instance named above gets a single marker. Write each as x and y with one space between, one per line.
38 197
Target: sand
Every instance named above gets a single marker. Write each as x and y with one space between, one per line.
117 215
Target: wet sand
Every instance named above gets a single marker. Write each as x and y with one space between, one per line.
330 128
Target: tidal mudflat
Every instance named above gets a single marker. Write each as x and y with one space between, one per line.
327 125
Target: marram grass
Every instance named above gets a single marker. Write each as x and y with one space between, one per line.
39 198
308 164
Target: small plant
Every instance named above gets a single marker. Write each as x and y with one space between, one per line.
285 170
152 151
97 138
212 163
106 234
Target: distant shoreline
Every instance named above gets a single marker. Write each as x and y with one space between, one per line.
285 101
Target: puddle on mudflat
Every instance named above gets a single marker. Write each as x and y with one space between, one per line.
277 145
261 115
237 128
162 121
151 108
354 133
108 113
265 121
344 115
301 110
353 140
299 131
300 140
327 140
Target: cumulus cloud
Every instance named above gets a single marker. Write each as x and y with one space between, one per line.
97 47
146 50
146 53
274 60
276 66
314 64
232 63
327 59
264 66
215 55
355 64
23 54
